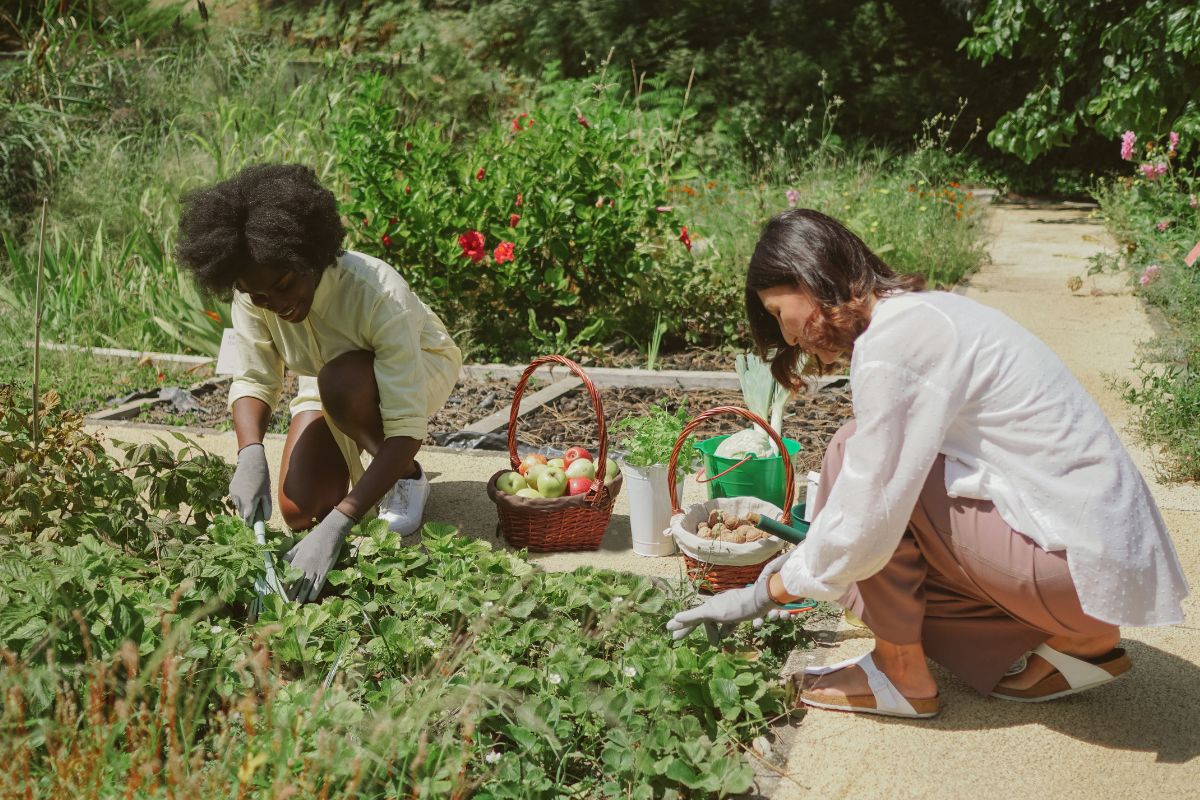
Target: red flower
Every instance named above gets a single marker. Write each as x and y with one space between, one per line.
582 120
391 221
516 125
387 240
513 219
687 240
408 190
503 252
472 244
408 147
520 201
366 222
479 175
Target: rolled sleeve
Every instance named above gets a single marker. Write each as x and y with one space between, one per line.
395 332
261 372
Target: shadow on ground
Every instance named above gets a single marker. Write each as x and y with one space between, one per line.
1151 709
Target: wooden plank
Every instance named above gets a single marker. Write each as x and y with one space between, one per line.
613 376
528 403
130 355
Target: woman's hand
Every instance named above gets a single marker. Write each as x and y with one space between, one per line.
316 554
722 613
250 489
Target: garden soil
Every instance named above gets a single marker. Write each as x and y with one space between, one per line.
1137 736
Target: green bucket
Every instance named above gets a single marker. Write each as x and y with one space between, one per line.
758 477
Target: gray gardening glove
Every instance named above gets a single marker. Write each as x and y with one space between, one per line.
316 554
722 613
250 489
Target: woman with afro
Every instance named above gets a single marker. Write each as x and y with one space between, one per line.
374 361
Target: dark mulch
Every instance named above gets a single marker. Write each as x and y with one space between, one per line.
811 419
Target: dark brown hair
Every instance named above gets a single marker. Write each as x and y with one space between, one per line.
808 250
276 215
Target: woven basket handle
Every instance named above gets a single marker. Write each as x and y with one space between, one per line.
704 416
602 457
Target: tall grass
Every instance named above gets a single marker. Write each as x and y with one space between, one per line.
120 292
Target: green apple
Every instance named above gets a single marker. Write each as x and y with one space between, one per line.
529 492
533 473
611 471
557 462
582 468
511 482
552 482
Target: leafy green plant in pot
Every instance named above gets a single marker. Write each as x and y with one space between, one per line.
648 441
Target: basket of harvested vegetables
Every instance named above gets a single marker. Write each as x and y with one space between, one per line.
561 521
722 540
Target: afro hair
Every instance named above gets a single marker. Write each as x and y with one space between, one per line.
276 215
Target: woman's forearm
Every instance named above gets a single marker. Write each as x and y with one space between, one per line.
778 591
250 419
393 460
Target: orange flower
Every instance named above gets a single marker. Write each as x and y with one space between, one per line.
214 316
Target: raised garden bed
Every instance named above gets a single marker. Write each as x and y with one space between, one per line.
569 419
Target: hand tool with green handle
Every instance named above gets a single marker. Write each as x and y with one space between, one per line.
267 583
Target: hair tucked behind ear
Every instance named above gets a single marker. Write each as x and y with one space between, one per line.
270 214
807 250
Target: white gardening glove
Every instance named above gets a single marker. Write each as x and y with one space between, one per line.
770 569
250 489
316 554
722 613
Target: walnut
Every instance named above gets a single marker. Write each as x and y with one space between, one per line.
704 532
714 517
749 533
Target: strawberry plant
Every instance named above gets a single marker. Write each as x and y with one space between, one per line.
449 669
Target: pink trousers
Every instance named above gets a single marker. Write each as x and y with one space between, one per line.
974 592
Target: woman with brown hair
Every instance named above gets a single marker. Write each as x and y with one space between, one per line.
979 510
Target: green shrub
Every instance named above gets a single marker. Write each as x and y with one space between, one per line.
547 221
1152 214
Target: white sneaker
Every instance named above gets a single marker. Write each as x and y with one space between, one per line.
403 507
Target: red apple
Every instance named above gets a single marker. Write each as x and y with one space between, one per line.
529 460
575 453
578 485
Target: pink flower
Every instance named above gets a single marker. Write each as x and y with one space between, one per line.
503 252
687 240
664 209
582 120
513 219
1127 145
1149 275
479 175
793 197
520 201
1172 142
472 244
1162 225
1153 172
